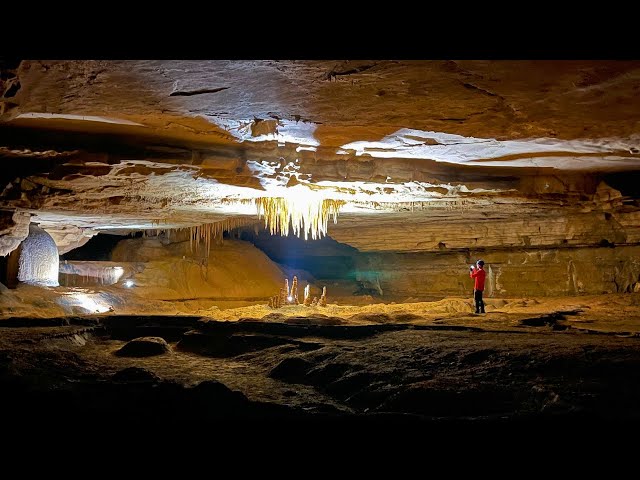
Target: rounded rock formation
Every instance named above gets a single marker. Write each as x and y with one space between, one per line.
144 347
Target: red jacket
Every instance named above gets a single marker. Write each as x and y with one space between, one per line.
479 274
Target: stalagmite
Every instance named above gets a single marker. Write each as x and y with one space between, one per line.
274 302
307 295
289 296
323 298
314 302
294 291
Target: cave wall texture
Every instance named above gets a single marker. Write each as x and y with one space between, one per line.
521 270
531 165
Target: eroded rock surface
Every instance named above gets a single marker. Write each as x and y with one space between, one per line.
254 124
522 371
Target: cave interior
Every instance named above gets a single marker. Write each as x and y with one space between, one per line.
292 240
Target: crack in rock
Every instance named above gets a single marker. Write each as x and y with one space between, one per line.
200 91
471 86
334 72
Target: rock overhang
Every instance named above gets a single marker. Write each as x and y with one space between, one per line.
137 143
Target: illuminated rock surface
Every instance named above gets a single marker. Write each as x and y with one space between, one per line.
111 146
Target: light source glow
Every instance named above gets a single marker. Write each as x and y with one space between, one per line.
129 283
117 274
87 302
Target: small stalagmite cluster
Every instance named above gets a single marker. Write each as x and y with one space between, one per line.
289 296
321 302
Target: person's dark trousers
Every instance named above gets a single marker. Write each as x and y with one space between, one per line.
477 295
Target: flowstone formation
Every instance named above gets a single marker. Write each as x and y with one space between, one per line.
39 261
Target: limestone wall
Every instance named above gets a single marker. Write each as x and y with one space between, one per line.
14 228
425 232
534 272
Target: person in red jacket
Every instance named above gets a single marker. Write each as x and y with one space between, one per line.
478 287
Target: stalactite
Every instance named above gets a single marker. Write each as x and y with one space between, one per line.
206 233
236 201
436 203
304 215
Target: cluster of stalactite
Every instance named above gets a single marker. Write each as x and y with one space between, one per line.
289 296
460 204
205 233
236 201
308 216
87 274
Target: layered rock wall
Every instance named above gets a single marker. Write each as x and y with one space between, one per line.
14 228
472 230
510 273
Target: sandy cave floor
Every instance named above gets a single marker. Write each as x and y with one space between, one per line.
609 313
570 357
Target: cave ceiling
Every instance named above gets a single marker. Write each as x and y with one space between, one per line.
118 146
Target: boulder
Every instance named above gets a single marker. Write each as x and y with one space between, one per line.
144 347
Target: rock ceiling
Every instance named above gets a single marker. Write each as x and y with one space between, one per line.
89 146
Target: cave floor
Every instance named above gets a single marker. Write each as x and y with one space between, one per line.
616 314
526 359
